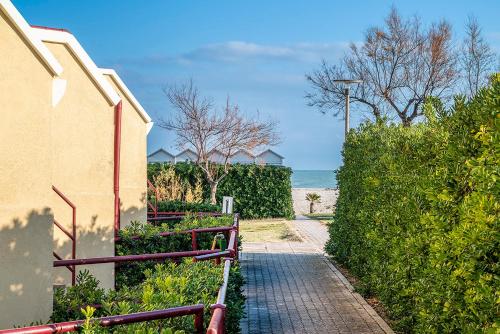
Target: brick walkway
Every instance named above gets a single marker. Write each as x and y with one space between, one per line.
292 288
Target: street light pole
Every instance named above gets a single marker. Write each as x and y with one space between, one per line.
346 93
347 82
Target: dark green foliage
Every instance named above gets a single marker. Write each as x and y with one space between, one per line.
170 285
179 206
258 191
418 216
129 274
163 286
235 300
68 301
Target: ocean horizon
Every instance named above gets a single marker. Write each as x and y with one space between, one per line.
314 179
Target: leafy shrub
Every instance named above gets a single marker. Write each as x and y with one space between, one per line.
258 191
150 242
180 206
235 300
417 218
68 301
164 286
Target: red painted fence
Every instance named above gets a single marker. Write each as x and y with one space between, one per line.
218 309
73 326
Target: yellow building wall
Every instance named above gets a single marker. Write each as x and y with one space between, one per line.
133 162
26 220
82 168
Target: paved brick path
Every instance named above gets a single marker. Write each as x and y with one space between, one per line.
292 288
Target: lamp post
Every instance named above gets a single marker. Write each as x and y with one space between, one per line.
346 83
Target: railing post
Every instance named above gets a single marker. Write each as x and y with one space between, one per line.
194 243
198 322
217 323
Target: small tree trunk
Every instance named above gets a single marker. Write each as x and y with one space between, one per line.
311 207
406 121
213 192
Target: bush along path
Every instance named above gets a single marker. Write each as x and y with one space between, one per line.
291 287
258 191
417 219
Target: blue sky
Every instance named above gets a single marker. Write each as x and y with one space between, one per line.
256 52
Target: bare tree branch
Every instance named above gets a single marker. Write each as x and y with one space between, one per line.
476 58
208 130
401 65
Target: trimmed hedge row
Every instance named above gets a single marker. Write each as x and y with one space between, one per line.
180 206
258 191
417 219
151 243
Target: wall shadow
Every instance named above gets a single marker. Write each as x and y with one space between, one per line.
26 269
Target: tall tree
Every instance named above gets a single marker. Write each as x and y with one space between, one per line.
199 125
401 65
476 58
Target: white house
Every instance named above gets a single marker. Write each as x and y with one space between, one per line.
269 157
242 157
186 156
161 156
217 157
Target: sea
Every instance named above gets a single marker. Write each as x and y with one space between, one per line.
313 179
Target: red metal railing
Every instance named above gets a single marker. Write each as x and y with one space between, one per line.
216 325
154 208
217 321
167 216
132 258
71 236
194 233
73 326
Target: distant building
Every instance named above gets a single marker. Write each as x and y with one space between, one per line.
217 157
242 157
161 156
186 156
268 157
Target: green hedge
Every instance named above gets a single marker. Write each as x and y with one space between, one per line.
417 219
151 243
258 191
180 206
164 286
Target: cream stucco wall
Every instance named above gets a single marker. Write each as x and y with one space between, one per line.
82 168
26 220
133 161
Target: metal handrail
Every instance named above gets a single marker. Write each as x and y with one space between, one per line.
71 235
131 258
72 326
218 318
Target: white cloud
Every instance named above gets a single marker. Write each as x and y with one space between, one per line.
236 51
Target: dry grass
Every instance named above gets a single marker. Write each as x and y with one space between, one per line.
268 230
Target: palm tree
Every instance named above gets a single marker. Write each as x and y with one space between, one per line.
313 198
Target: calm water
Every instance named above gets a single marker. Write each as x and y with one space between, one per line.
313 179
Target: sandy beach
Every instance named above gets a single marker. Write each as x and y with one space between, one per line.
301 206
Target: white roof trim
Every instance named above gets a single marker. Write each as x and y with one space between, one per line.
269 150
119 82
186 150
57 36
161 150
24 28
246 152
